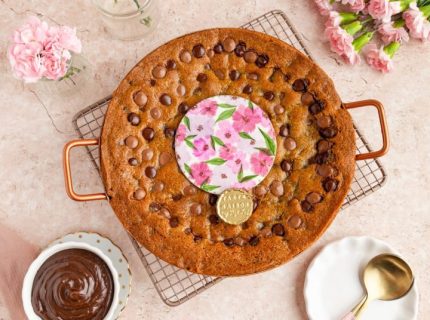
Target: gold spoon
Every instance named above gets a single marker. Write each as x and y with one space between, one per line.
386 277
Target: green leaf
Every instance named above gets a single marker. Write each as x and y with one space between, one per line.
216 141
240 174
216 161
187 168
225 115
247 178
187 122
189 143
270 144
265 150
245 135
208 187
226 106
250 105
190 137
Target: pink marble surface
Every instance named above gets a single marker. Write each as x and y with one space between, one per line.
35 127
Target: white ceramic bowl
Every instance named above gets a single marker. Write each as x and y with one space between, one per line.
48 252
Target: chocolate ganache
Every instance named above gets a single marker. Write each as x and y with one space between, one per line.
73 284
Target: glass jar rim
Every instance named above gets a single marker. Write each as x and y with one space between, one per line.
128 14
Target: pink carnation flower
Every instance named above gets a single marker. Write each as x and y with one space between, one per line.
383 9
341 43
416 22
391 34
26 62
333 20
323 6
378 59
355 5
201 173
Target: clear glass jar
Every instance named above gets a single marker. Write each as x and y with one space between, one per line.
129 19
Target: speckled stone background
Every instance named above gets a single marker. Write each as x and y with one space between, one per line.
34 128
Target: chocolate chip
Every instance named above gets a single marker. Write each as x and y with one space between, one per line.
159 72
171 64
169 132
234 75
229 44
284 130
189 190
322 158
323 146
329 132
154 207
139 194
158 186
210 54
324 122
253 76
279 109
286 166
255 203
198 51
300 85
325 170
218 48
276 188
290 144
262 60
240 49
150 172
330 184
278 229
260 191
214 219
183 108
147 154
266 232
174 222
197 238
196 209
185 56
165 212
247 89
133 118
315 108
313 197
177 197
213 198
152 82
148 133
140 98
287 77
131 142
155 113
165 99
202 77
306 206
188 230
250 56
269 95
180 90
295 221
254 241
220 75
229 242
239 241
164 158
307 99
133 162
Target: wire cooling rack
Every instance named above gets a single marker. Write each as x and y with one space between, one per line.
175 285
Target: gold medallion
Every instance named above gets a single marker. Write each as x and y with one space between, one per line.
234 206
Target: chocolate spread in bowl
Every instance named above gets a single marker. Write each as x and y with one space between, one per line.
73 284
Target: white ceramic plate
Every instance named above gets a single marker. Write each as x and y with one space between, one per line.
333 285
115 255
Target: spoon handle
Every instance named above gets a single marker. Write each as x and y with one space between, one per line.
357 310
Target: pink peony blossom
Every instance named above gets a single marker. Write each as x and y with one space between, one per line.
383 9
202 148
416 22
208 107
355 5
227 152
180 133
261 163
26 61
378 59
245 119
201 173
237 162
323 6
390 34
226 132
341 43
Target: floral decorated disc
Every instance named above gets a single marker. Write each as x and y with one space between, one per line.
225 142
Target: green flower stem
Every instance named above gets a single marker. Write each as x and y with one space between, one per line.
399 23
404 4
347 17
362 40
353 27
392 48
426 11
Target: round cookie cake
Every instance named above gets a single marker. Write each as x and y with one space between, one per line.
311 162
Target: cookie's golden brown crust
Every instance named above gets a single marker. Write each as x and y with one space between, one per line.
195 243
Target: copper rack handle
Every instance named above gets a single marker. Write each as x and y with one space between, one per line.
68 175
383 123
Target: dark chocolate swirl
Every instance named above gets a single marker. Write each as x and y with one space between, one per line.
73 284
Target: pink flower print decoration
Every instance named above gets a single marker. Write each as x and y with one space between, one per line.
245 119
201 173
180 133
260 163
247 185
227 152
237 162
226 132
202 148
208 107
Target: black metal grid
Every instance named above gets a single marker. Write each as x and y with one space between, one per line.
175 285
